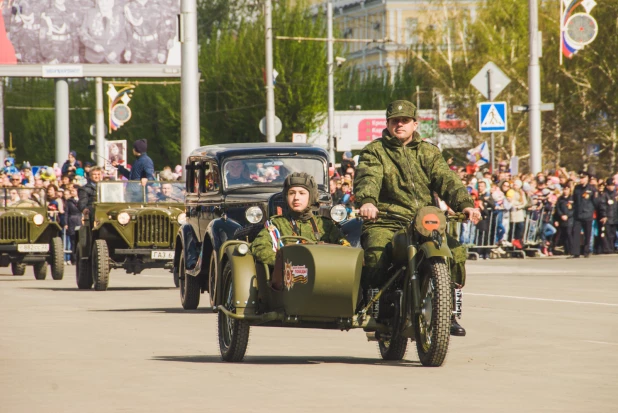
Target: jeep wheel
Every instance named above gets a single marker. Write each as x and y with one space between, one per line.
57 259
233 334
393 349
40 270
82 272
189 286
18 268
100 265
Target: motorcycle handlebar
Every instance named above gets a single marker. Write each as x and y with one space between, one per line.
457 217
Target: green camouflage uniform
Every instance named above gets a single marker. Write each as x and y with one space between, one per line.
262 246
401 180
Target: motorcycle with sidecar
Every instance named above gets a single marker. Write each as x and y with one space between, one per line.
321 289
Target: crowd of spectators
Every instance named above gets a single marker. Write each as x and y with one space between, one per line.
56 187
556 211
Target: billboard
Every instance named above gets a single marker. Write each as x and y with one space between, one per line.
73 38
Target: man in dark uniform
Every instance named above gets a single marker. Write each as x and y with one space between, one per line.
584 195
144 23
88 193
400 173
564 220
103 33
608 217
57 36
143 168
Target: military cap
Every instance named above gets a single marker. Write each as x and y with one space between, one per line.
401 109
303 180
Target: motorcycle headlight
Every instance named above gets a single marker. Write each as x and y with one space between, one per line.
38 219
254 214
338 213
242 249
124 218
182 218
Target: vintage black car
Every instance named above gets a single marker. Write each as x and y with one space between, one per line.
231 190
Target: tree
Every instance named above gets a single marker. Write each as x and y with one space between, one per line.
232 94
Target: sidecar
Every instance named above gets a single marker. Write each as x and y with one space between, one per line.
321 286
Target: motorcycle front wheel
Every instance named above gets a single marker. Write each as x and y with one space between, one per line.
432 325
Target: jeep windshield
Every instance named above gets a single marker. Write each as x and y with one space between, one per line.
15 197
269 170
133 191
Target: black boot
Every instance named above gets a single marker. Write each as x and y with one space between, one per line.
456 329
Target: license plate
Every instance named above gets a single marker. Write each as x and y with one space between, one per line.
162 255
33 247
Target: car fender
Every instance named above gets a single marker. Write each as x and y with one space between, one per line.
187 241
219 231
244 277
429 250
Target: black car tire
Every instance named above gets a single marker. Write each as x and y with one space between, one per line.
233 334
189 286
57 259
100 265
176 278
40 270
248 233
18 268
393 349
83 277
213 270
432 350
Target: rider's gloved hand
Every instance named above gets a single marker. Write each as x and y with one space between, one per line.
368 211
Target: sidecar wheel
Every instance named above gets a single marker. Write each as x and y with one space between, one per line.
233 334
393 349
432 326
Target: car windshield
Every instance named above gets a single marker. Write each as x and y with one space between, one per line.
22 197
239 172
133 191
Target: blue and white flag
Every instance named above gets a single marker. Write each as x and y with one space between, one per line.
479 155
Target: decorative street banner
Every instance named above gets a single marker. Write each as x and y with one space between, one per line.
88 32
118 109
577 30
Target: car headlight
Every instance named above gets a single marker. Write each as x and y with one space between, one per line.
124 218
254 214
38 219
182 218
338 213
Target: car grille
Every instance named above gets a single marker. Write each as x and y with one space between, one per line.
276 202
153 230
13 228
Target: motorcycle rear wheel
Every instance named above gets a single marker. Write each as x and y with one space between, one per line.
432 326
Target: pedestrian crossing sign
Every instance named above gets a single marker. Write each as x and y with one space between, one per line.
492 117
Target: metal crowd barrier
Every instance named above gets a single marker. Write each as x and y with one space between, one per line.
496 241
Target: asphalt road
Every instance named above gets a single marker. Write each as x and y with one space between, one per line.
542 337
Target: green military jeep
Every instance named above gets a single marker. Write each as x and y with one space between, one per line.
132 227
28 235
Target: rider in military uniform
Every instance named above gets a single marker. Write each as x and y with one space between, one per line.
57 36
103 33
145 23
399 173
301 193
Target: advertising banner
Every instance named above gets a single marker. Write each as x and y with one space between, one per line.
74 38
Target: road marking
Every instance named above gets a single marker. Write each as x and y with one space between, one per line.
543 299
600 342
